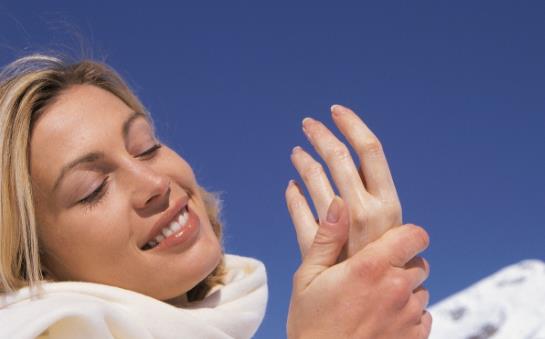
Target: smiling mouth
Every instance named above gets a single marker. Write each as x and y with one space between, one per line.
176 226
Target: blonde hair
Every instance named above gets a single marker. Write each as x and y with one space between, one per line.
27 86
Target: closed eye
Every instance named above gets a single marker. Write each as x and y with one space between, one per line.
96 195
150 151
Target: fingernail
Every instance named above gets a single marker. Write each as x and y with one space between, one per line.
334 211
306 121
296 149
337 110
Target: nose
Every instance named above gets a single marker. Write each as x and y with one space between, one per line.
148 187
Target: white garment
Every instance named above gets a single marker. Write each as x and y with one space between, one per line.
509 304
89 310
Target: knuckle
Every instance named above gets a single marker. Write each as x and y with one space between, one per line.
293 200
313 170
372 147
359 216
399 285
327 236
338 153
399 289
294 203
322 239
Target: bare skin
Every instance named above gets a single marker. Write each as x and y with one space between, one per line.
360 276
94 221
367 189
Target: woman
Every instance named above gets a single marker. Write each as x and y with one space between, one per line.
106 233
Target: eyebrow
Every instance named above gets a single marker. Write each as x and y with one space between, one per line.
95 156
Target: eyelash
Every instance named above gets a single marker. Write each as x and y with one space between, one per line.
149 151
96 196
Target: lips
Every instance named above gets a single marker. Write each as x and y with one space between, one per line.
185 236
169 216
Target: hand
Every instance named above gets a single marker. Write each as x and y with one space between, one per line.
368 190
375 293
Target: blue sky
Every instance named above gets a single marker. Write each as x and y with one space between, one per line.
455 91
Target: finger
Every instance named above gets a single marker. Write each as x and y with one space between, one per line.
315 180
425 324
418 271
374 165
416 306
418 315
400 244
330 238
339 161
422 296
301 216
420 326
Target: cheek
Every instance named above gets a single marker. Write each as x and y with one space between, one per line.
178 169
87 234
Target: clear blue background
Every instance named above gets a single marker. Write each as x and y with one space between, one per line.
455 90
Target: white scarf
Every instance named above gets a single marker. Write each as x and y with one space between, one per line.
89 310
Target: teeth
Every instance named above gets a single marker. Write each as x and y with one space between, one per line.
182 219
167 231
174 227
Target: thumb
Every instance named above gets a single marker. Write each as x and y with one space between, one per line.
329 239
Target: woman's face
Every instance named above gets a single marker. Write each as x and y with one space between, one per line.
112 206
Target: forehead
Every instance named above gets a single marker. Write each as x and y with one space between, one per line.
81 107
82 119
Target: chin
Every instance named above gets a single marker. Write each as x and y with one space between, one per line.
209 262
208 256
190 266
